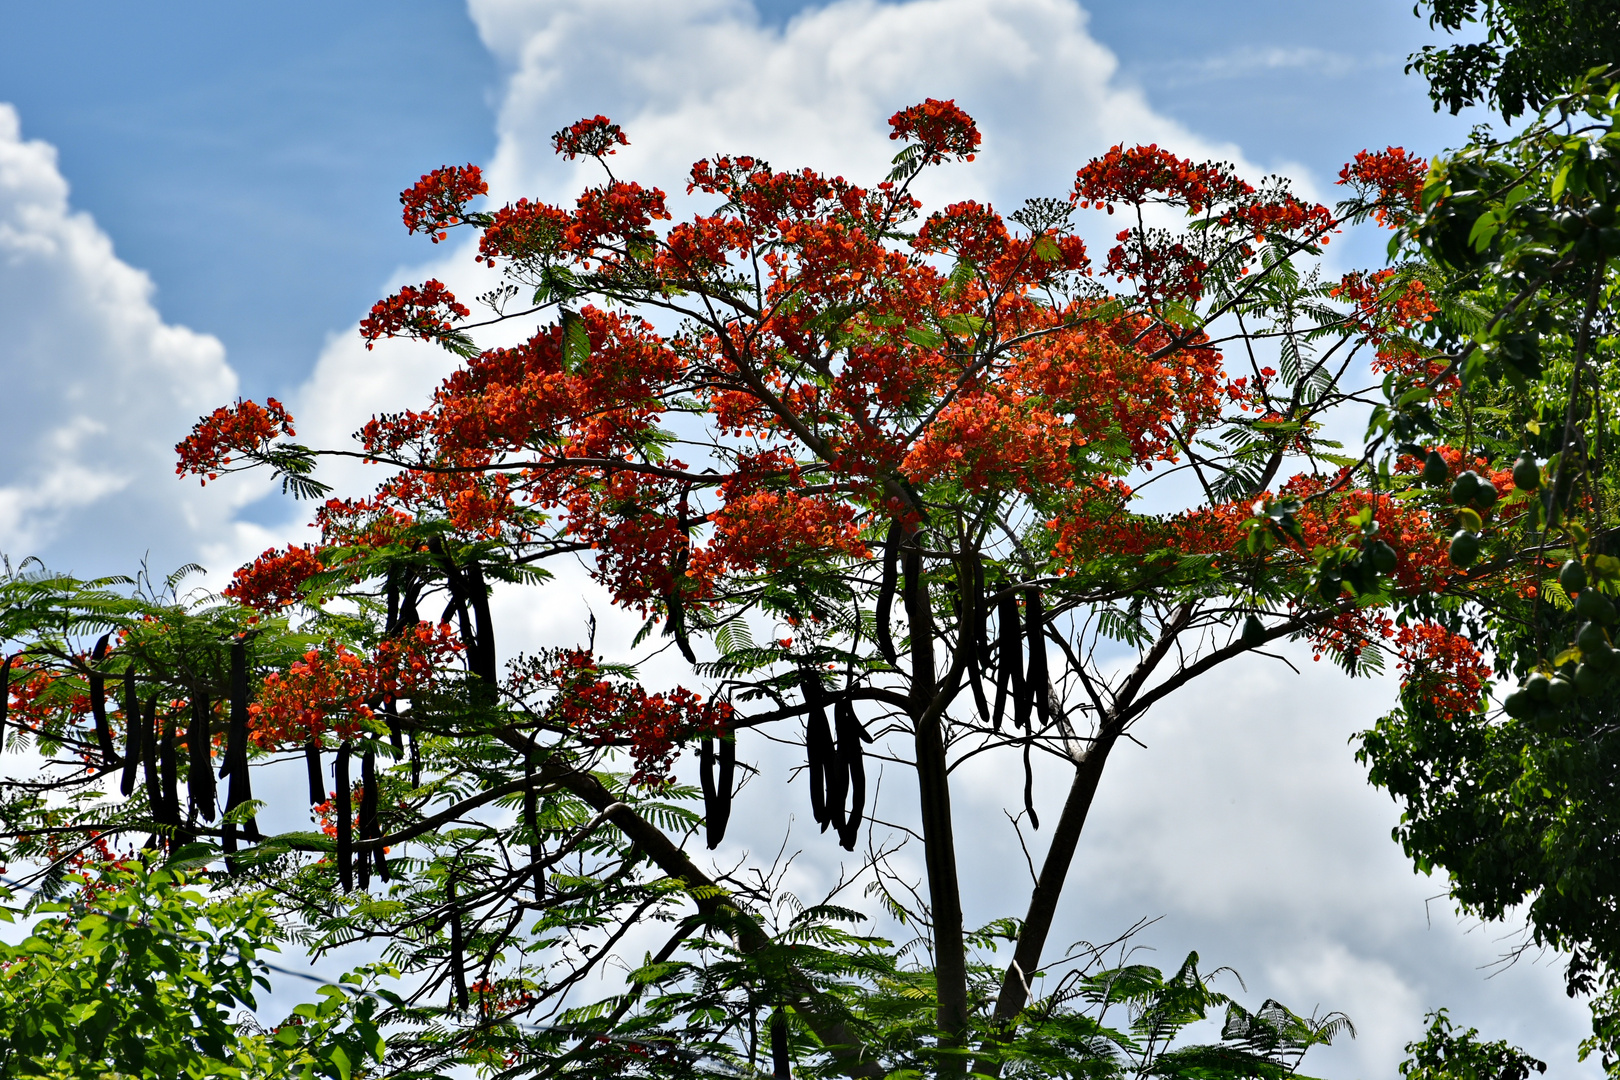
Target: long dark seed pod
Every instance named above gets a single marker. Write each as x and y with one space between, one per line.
980 633
98 703
368 812
1029 787
531 822
458 960
711 802
134 733
852 767
408 616
818 745
885 596
312 766
838 771
724 784
169 763
5 697
344 811
484 657
416 762
150 762
396 736
199 745
1012 661
781 1065
236 741
1040 683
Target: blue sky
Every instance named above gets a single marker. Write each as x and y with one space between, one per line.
199 200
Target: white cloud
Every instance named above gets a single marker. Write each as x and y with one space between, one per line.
98 388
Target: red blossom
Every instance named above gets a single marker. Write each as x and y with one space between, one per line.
275 579
244 428
594 136
438 201
939 128
424 313
1392 179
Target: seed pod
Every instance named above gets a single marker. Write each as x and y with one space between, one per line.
391 599
368 813
168 759
1040 683
852 766
199 747
981 620
312 766
1012 660
885 596
396 735
98 704
150 762
837 774
344 812
408 616
725 784
134 733
5 697
818 745
706 781
458 959
416 762
482 655
781 1062
1029 787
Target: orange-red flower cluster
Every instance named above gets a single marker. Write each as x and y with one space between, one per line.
939 127
595 136
424 312
1141 174
1392 178
275 579
438 200
244 428
1387 309
1444 667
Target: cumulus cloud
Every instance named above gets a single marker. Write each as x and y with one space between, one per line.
98 387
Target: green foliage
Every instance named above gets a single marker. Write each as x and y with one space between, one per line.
1444 1054
136 973
1532 51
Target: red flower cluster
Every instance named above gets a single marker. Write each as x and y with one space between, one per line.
244 428
613 712
1387 309
1143 174
275 579
438 200
1392 179
594 136
939 127
333 687
417 312
1444 667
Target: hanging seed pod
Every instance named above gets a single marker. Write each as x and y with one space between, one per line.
1012 660
199 746
885 596
396 735
1040 683
5 697
484 659
781 1063
408 616
724 785
98 704
368 813
344 812
981 621
458 959
837 774
416 762
150 764
1029 787
852 766
818 745
711 801
169 763
134 734
312 767
675 609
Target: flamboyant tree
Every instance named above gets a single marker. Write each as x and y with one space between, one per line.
855 404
